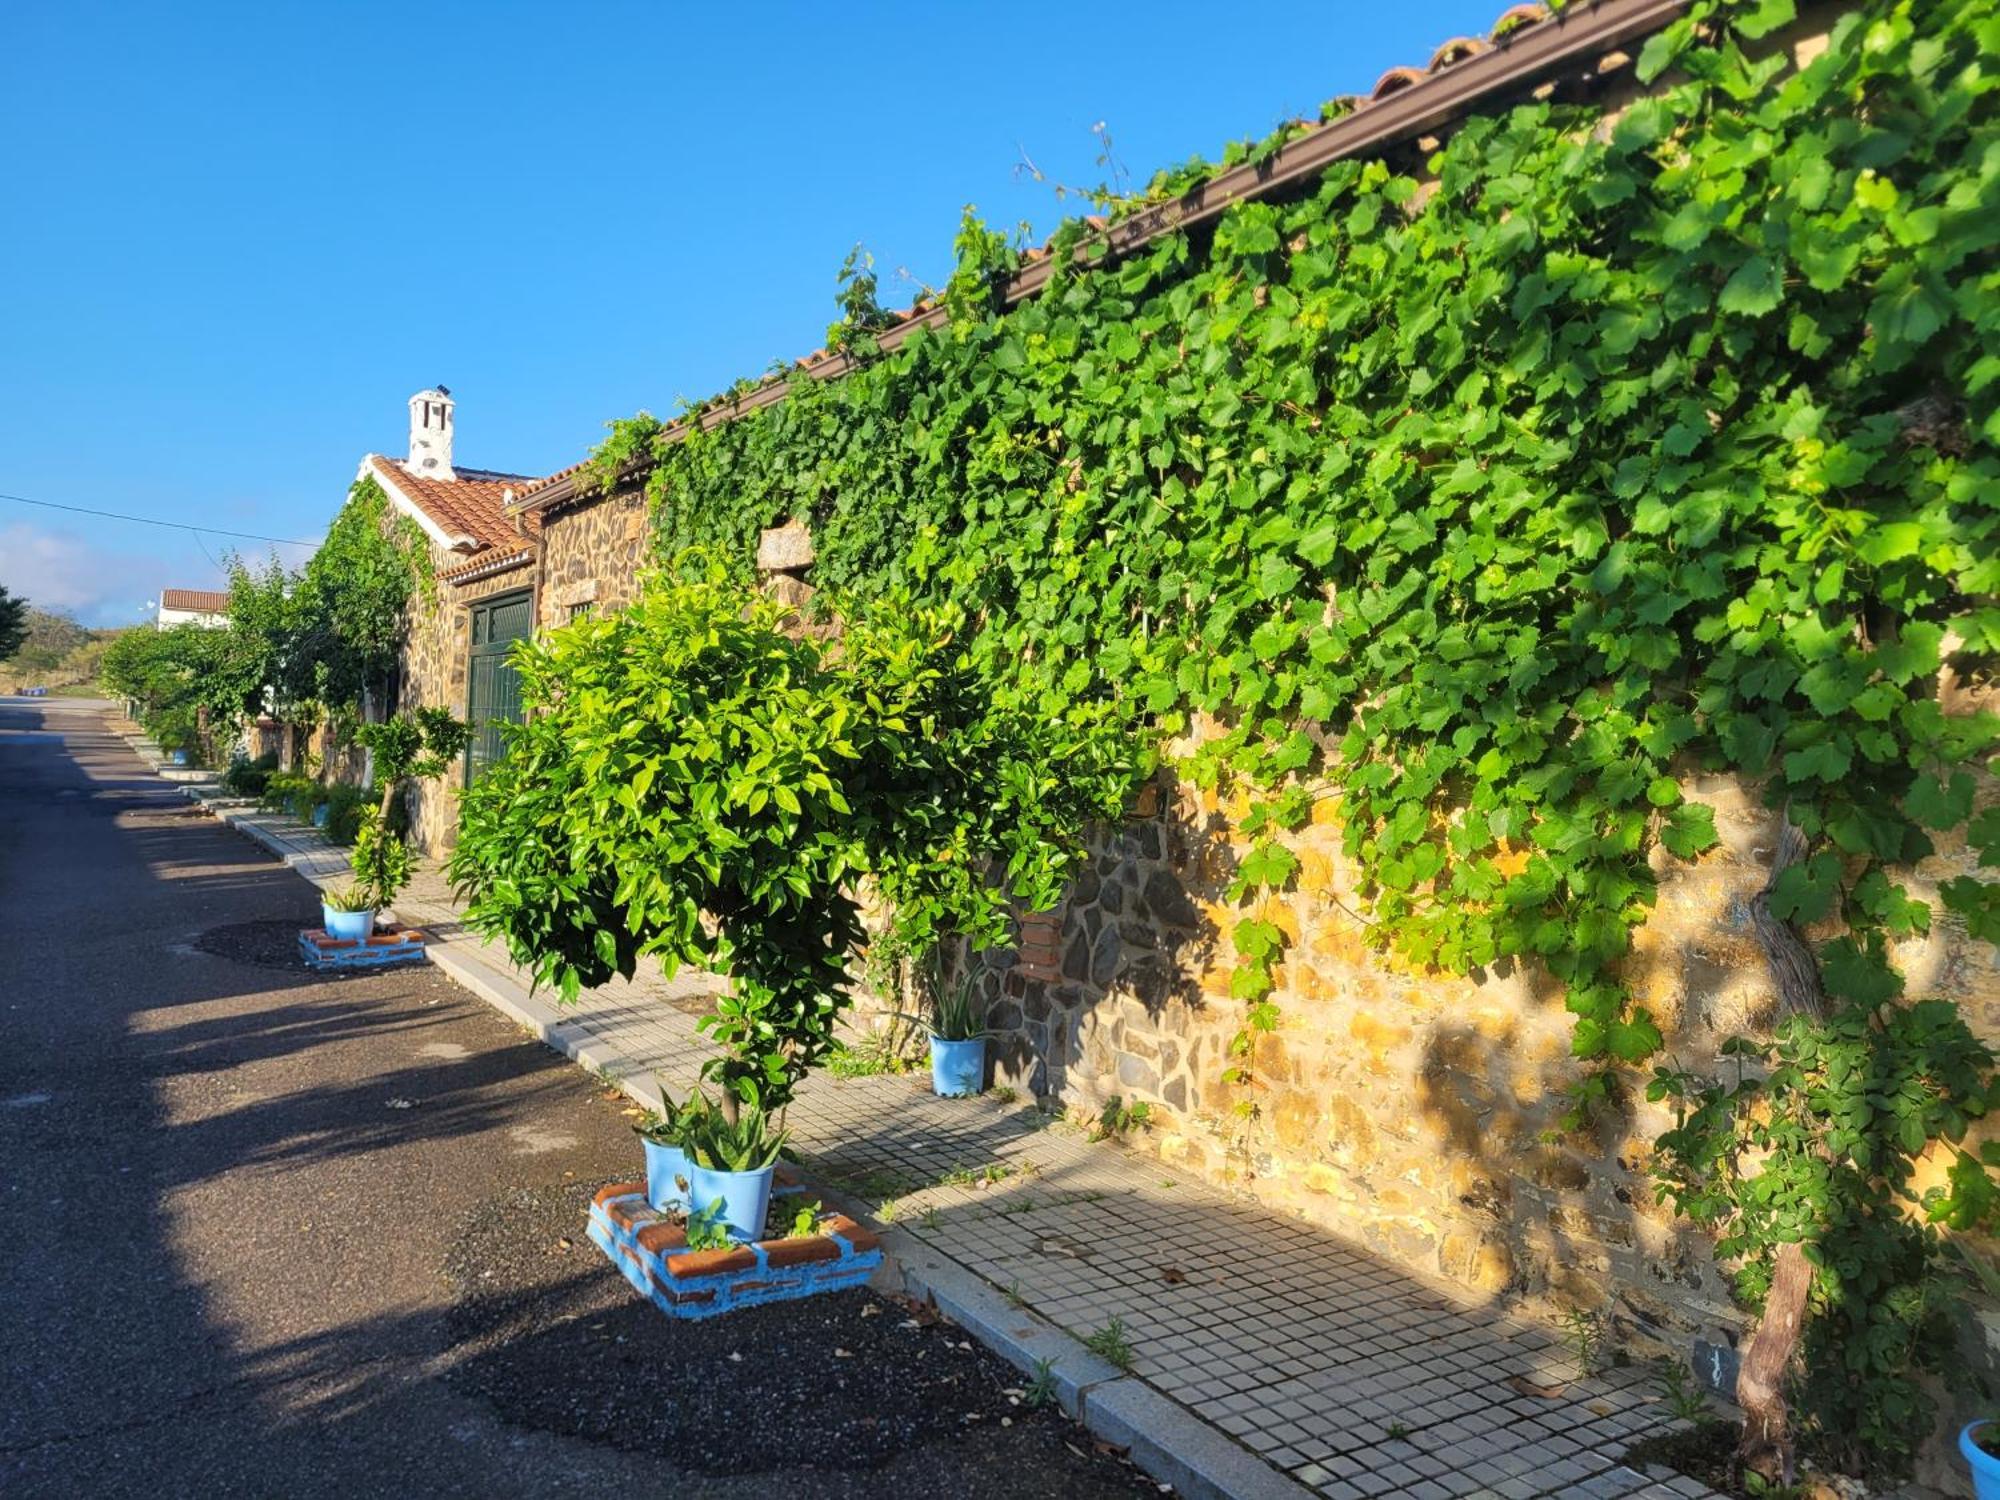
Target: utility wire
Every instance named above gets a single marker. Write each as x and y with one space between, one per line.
84 510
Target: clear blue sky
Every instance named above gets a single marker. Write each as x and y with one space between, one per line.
239 236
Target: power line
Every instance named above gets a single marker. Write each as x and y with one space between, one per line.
199 531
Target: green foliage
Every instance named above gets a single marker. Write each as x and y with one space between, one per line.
1818 1142
181 679
749 1142
13 623
346 807
352 597
805 1220
349 898
1493 512
420 744
707 1230
248 778
381 859
1042 1389
955 1012
1111 1343
291 792
1117 1118
697 782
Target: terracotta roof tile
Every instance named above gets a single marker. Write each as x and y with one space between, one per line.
203 601
492 560
473 505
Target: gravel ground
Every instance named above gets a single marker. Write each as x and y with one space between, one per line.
556 1340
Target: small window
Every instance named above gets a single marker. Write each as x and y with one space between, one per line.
580 611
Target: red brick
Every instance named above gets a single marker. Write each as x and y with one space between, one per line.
605 1194
861 1239
754 1286
631 1216
803 1252
696 1263
656 1238
334 942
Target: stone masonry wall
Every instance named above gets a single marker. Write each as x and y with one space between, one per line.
1416 1111
592 556
437 654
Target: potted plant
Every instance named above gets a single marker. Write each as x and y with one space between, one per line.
666 1158
957 1027
1973 1441
348 913
730 1164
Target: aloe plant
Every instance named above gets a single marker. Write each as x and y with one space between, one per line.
749 1143
956 1011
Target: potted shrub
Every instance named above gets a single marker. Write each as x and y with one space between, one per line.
666 1159
730 1164
348 913
957 1027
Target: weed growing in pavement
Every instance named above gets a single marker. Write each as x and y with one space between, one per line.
1042 1384
1678 1392
1013 1294
886 1212
1398 1432
1110 1343
1001 1094
985 1176
930 1219
875 1054
1117 1117
1583 1336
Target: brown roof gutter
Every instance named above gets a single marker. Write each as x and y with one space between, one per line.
1520 57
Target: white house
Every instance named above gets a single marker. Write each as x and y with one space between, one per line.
192 607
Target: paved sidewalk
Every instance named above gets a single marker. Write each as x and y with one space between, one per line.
1267 1357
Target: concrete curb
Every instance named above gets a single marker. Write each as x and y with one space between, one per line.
1161 1436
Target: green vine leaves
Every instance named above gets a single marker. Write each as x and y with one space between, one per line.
700 781
1493 499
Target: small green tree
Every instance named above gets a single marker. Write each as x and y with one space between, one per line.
700 780
13 623
410 746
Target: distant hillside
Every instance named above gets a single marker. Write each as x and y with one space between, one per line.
58 653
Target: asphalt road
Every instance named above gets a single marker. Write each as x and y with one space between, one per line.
229 1194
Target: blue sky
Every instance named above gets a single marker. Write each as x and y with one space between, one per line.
240 236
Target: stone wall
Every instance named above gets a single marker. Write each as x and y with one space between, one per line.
592 556
1413 1110
437 647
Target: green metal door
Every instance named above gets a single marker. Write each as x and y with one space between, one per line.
493 696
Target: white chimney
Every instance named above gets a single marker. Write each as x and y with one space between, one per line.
430 433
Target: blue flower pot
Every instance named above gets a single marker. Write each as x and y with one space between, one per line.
320 815
958 1068
177 757
1985 1467
663 1165
746 1197
359 925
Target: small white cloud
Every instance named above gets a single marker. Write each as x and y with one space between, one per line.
54 570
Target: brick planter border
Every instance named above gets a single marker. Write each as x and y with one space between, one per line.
324 952
650 1248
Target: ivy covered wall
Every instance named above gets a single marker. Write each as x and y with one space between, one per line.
1560 571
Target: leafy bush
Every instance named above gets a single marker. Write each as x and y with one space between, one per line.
699 782
1839 1116
248 778
346 806
291 792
